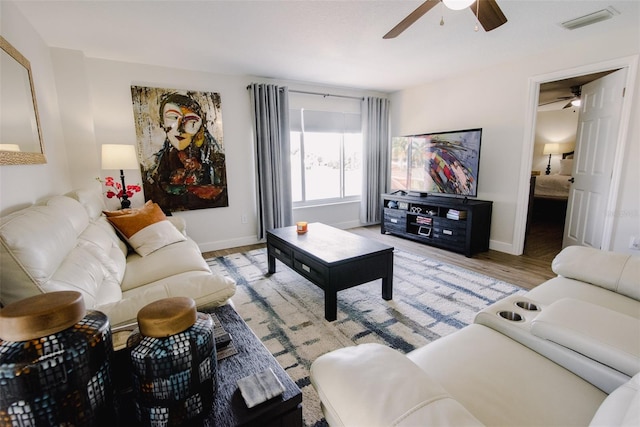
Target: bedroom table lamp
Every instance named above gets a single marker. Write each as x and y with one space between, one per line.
120 156
551 149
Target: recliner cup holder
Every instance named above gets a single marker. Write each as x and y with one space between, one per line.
510 315
527 305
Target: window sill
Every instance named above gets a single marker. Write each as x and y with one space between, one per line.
318 203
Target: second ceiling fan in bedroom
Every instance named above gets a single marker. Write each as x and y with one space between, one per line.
488 13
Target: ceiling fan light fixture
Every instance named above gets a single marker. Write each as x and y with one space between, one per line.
458 4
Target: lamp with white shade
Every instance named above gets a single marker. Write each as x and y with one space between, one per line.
10 147
553 148
120 156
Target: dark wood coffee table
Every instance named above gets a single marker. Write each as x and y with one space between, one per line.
332 259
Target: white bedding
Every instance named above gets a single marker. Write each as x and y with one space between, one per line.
552 186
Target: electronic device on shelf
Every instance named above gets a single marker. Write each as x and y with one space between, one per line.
424 231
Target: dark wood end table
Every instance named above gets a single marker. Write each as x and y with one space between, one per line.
332 259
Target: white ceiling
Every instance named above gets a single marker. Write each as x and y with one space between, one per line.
336 43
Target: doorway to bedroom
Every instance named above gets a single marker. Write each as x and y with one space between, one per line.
556 128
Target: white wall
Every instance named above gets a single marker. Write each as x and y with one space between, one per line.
497 100
76 118
559 126
492 101
21 186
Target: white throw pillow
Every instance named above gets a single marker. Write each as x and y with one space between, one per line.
146 229
566 165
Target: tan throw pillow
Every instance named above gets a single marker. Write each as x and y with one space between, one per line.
146 229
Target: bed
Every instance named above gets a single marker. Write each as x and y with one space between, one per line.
549 194
555 186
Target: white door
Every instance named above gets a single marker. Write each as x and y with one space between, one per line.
596 141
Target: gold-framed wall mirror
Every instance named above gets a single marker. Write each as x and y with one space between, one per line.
20 134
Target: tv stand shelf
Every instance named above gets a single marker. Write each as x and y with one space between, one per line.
457 224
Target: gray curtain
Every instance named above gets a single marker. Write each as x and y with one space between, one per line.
270 111
376 166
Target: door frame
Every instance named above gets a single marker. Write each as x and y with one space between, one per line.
631 64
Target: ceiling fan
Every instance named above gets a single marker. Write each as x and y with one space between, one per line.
575 100
489 14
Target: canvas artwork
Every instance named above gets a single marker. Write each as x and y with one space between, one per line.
181 149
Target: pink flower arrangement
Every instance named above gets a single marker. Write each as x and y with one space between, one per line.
114 189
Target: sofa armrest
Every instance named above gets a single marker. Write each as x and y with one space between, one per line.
621 407
179 223
374 385
599 333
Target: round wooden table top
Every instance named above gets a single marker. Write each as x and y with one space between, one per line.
166 317
41 315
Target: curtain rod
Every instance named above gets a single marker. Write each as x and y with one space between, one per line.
325 94
322 94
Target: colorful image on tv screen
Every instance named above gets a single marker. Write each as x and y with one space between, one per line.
449 162
443 163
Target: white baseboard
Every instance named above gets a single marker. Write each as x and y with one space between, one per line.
229 243
252 240
347 224
502 247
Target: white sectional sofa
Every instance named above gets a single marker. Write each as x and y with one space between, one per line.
565 354
66 243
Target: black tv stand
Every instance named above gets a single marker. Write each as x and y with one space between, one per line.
459 225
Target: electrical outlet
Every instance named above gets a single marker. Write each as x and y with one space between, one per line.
243 218
634 243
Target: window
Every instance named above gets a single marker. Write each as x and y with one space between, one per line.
326 156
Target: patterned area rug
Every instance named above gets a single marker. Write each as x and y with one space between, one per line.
430 299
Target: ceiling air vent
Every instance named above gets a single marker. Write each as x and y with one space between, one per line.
592 18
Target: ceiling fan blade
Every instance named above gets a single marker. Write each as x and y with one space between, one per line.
559 99
490 16
411 18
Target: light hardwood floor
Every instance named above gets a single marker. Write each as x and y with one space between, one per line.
527 271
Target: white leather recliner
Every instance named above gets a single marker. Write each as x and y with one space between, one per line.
566 354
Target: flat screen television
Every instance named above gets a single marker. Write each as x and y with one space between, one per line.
445 163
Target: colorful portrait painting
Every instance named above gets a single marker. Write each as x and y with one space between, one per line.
181 148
